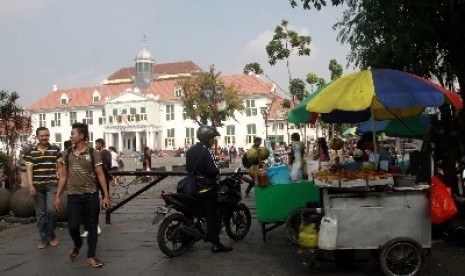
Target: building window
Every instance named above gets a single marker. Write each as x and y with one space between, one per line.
90 143
251 133
96 96
72 117
170 112
250 109
178 91
102 120
143 114
89 118
190 137
63 101
230 138
169 141
57 120
42 120
58 138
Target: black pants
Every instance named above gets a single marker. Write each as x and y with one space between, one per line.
249 188
211 202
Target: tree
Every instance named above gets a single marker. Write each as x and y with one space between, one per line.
297 90
313 79
423 37
199 109
254 68
335 69
284 42
13 124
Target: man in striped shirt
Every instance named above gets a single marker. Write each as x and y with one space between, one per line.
42 175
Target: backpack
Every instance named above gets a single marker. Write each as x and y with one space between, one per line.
108 175
245 161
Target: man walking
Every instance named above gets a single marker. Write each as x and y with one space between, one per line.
105 155
42 174
82 170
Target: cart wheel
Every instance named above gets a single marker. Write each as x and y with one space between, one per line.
292 225
402 256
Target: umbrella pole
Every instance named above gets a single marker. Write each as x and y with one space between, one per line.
373 129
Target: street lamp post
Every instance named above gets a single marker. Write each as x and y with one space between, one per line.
265 112
214 95
286 117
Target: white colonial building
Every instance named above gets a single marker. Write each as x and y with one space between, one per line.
142 106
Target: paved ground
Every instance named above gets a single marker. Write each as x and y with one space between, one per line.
128 247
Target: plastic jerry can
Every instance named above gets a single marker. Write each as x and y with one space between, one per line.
328 234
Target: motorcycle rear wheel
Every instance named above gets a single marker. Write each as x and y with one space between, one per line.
171 241
237 225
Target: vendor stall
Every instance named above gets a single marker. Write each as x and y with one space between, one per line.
377 215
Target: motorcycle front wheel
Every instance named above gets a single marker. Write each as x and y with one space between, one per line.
237 225
171 241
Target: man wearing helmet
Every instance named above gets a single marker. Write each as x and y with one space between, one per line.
201 161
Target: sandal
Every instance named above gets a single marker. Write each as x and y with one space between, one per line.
73 254
94 262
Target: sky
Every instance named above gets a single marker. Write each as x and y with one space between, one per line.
79 43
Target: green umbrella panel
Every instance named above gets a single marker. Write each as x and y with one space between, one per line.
300 114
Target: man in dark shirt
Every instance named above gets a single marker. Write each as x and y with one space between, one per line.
201 161
105 155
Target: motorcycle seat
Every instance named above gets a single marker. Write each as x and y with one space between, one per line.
186 197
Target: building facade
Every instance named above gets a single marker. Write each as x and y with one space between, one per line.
142 106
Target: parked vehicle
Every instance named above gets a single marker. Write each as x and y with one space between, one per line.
188 225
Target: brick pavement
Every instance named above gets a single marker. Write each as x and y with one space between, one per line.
128 247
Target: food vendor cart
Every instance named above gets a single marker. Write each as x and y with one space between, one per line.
275 202
377 215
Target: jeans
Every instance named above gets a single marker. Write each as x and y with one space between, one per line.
87 208
45 211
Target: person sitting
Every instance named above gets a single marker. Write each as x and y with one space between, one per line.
358 161
202 163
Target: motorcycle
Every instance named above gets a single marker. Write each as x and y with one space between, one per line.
188 225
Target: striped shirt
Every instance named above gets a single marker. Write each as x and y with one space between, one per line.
44 165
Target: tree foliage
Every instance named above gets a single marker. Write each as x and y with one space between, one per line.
335 69
297 90
314 80
253 67
14 122
199 109
284 42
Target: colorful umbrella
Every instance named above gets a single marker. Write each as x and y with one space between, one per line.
379 94
413 127
299 114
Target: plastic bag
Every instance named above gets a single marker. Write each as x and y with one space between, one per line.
441 201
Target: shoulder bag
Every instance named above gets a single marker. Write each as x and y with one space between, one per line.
189 184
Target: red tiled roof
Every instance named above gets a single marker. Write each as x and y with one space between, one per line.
246 84
79 97
176 67
158 69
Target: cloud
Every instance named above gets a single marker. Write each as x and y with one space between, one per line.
82 78
22 8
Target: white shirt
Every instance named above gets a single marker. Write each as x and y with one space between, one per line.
114 157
